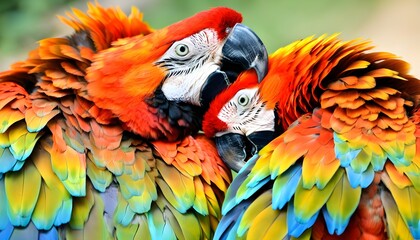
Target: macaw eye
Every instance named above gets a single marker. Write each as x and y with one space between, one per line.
182 50
243 100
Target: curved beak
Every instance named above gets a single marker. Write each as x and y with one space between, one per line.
242 50
235 149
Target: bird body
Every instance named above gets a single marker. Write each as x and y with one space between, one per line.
345 160
93 146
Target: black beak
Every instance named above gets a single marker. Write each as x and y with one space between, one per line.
235 149
242 50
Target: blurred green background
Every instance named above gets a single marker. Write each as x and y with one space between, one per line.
393 25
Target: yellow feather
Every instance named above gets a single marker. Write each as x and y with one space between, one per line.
168 194
21 141
81 209
94 225
189 168
188 223
9 117
397 176
343 201
309 201
101 178
252 212
182 186
267 222
200 202
134 231
396 226
142 192
260 171
54 196
70 167
358 64
42 161
22 191
319 165
49 203
4 140
406 199
278 226
213 201
287 153
35 122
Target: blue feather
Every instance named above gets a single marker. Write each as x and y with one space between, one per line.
51 234
156 224
362 179
285 186
4 219
64 213
18 165
378 162
233 232
6 231
345 156
7 160
249 164
333 226
398 159
294 227
230 197
415 230
168 232
123 213
251 191
228 225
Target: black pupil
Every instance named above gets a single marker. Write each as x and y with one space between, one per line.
182 49
242 100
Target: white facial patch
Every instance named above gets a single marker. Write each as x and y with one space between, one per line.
245 113
189 62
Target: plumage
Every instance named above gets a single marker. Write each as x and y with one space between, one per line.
94 145
344 164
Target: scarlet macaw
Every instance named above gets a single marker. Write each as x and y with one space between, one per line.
96 141
344 163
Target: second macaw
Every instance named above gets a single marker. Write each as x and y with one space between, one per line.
345 160
97 134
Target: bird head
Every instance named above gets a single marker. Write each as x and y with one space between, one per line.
240 121
171 69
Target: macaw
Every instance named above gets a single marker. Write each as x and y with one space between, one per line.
98 128
327 145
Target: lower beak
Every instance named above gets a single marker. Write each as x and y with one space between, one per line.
235 149
242 50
